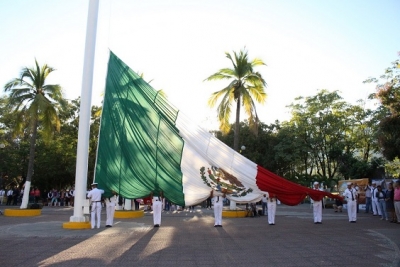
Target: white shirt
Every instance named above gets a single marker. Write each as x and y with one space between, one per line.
373 192
350 194
10 192
111 201
2 193
264 199
95 194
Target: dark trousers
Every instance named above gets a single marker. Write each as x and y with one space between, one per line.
9 200
208 203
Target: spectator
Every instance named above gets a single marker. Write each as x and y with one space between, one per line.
72 195
390 203
62 197
2 195
67 198
54 197
16 193
9 196
338 206
208 206
397 200
36 195
32 195
264 204
49 197
381 196
368 201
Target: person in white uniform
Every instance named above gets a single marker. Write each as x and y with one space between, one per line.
110 208
317 206
271 205
157 199
217 197
350 194
2 195
95 197
375 203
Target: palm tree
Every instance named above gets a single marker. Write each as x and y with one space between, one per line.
35 104
246 86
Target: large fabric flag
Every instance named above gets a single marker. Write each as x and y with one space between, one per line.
147 145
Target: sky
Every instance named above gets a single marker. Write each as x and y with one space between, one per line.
307 45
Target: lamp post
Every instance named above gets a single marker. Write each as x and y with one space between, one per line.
2 165
242 148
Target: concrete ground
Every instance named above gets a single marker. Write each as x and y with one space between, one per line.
189 239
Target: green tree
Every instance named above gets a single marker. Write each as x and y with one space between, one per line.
245 88
388 94
36 104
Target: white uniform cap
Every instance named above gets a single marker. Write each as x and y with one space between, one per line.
316 183
95 184
349 183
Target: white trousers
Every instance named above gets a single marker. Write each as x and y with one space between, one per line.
96 213
376 208
157 207
218 213
317 210
110 208
271 211
352 210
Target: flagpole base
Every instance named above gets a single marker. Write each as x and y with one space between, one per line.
22 212
123 214
234 213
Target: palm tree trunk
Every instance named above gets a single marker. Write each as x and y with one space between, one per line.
25 198
237 127
232 205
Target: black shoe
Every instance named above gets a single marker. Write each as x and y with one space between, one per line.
108 225
215 225
156 225
219 225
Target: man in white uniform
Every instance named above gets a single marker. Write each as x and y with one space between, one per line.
317 206
376 209
271 204
95 197
350 194
2 195
217 198
110 208
157 199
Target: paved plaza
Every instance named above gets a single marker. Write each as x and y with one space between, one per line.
189 239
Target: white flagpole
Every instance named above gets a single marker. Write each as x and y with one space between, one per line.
84 114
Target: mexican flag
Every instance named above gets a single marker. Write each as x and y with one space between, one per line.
146 145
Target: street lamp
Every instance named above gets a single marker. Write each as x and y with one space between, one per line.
242 148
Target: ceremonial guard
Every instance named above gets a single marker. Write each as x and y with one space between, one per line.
218 200
350 194
95 197
271 204
317 206
157 198
110 208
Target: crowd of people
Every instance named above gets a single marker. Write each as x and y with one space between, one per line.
384 203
